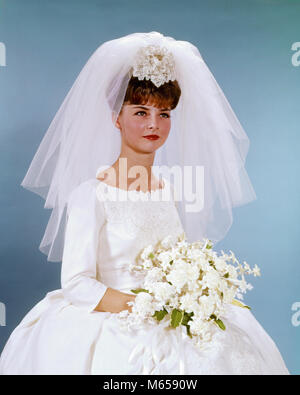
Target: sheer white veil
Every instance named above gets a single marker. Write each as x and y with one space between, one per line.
82 137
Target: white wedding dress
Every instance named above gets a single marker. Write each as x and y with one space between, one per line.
63 335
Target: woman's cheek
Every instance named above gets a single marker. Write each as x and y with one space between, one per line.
136 130
166 130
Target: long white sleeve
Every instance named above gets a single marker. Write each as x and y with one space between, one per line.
85 218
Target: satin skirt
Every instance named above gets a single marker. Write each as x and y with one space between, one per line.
56 337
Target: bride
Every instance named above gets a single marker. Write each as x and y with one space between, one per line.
140 100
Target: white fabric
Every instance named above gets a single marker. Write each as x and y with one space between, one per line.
205 132
63 335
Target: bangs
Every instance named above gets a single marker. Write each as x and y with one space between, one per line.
144 91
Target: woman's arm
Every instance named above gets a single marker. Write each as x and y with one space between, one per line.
85 218
114 301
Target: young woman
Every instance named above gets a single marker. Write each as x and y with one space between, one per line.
139 98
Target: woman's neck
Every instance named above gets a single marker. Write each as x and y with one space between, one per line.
123 173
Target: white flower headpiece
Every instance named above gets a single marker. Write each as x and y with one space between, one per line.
155 63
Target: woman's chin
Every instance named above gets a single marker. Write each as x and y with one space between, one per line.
148 148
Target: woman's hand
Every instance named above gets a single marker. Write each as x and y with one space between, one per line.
129 298
114 301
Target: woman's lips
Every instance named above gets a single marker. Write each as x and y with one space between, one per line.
151 137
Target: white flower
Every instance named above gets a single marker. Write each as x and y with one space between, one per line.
256 271
203 263
163 291
155 63
174 303
165 257
228 294
221 265
211 279
199 327
147 264
243 285
233 257
146 251
181 273
232 272
247 267
167 242
143 304
154 275
207 305
182 243
195 254
188 302
239 296
207 244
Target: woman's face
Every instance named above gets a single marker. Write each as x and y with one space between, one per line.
136 121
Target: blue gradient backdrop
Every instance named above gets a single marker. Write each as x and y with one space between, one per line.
246 44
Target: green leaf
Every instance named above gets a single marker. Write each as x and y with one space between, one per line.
171 262
240 304
151 255
220 324
186 318
226 275
188 331
136 291
176 318
159 315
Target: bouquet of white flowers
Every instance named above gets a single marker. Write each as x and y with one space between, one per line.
187 284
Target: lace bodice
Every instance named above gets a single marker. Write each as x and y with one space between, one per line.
142 218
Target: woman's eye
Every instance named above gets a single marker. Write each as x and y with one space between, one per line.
165 115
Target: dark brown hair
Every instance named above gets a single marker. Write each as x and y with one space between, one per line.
142 91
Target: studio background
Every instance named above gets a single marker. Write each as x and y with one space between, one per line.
247 46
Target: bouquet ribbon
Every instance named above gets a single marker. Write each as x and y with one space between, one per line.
161 351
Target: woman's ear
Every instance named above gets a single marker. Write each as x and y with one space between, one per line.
117 122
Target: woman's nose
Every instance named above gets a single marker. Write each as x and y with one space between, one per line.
152 124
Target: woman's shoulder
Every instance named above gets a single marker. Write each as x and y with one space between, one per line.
83 193
83 201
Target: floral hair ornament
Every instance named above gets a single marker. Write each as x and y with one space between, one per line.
154 63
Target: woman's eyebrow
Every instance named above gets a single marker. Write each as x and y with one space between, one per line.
145 108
